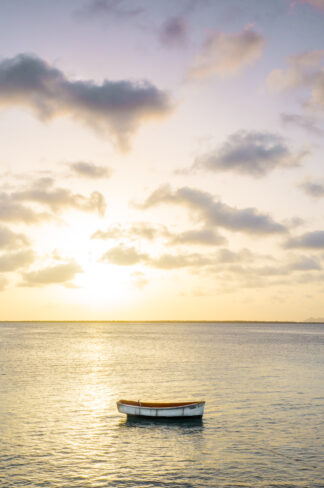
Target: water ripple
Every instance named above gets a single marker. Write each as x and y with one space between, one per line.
263 423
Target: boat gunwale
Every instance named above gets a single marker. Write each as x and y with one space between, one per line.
158 405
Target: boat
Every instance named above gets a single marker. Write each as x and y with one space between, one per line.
155 410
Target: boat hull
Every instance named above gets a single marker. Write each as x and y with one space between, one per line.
193 410
162 418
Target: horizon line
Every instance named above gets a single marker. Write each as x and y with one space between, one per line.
161 321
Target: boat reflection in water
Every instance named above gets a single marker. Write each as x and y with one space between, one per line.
181 423
173 411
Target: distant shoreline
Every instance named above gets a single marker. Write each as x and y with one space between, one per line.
167 321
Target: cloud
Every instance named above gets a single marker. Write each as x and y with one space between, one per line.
124 256
225 256
13 211
44 193
90 170
304 70
314 3
143 230
301 71
114 107
317 98
239 266
12 261
206 237
175 261
226 54
11 240
243 264
230 270
242 271
3 283
173 32
251 153
55 274
216 213
308 240
309 277
315 190
146 230
114 8
303 122
304 263
139 279
114 232
129 256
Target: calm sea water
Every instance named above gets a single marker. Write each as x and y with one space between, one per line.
263 423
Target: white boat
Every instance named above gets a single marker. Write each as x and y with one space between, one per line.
152 410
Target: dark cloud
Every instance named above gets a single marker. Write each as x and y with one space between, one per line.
113 8
11 240
309 240
173 32
315 190
90 170
251 153
226 54
12 261
56 274
303 122
115 107
216 213
42 191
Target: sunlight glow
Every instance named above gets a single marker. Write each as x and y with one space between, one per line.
102 283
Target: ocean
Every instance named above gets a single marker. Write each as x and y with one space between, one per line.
263 424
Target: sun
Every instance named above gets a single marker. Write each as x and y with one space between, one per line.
100 282
103 283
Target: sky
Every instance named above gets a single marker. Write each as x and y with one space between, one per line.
162 160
